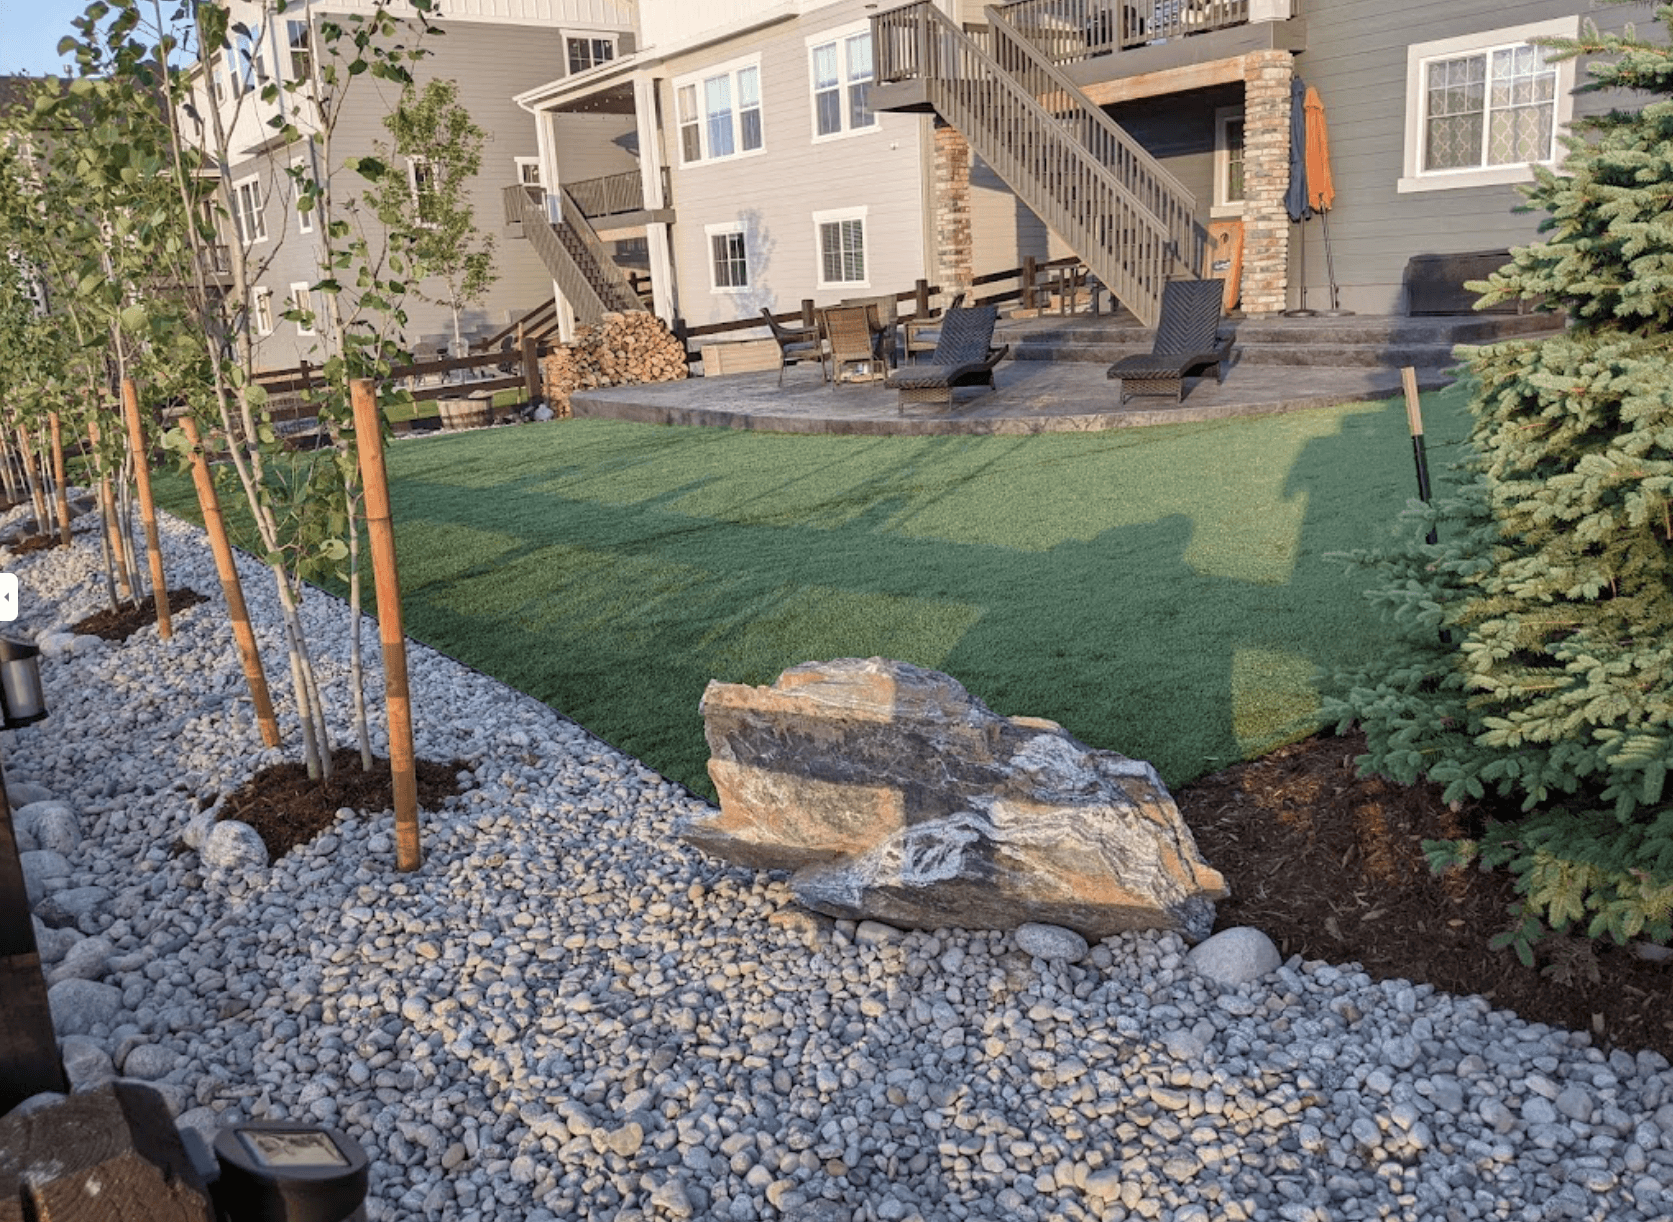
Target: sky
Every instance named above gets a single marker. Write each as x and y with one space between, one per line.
29 34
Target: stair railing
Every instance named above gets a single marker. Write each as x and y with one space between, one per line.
612 286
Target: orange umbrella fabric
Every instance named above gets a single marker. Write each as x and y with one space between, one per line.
1321 189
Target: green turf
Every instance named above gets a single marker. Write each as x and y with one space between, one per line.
1159 591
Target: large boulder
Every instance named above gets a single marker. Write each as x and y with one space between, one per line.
897 796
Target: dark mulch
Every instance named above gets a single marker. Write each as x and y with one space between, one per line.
288 809
120 625
1330 865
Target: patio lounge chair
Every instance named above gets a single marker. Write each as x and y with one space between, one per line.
964 356
1187 343
853 342
796 344
922 334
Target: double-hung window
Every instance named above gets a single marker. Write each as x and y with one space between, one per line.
840 70
301 184
246 212
719 113
301 52
728 256
1483 108
249 67
262 310
1228 162
841 237
421 181
302 301
585 53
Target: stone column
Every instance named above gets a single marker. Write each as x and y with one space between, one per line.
1266 177
954 254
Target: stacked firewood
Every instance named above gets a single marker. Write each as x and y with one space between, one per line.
622 350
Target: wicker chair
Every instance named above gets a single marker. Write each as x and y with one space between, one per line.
922 334
796 344
1188 342
853 342
964 356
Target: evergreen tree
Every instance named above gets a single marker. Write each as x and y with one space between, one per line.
1555 574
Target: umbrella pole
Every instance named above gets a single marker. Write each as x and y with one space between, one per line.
1330 267
1301 239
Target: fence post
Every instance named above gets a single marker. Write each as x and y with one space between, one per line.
368 439
1028 273
920 301
807 312
531 368
307 379
147 506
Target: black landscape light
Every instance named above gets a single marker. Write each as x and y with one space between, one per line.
22 701
288 1173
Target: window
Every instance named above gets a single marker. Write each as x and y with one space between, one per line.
421 180
585 53
261 310
235 74
1483 108
304 220
842 247
528 170
728 256
1228 162
249 69
841 71
719 113
302 301
246 212
301 53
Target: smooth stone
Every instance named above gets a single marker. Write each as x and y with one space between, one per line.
1235 956
149 1061
41 866
80 1005
88 959
1050 942
69 906
25 793
86 1063
234 846
52 825
54 943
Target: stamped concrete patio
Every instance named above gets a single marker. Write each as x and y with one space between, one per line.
1280 365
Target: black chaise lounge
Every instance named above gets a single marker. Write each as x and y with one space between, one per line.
1187 343
964 356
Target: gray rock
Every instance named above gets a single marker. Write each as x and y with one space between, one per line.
40 868
875 933
80 1005
55 646
149 1061
234 846
1051 942
1235 956
1538 1110
86 1063
72 905
53 943
86 643
197 829
543 412
88 959
897 796
52 825
1574 1102
24 793
670 1197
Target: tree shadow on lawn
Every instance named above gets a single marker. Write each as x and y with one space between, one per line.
619 612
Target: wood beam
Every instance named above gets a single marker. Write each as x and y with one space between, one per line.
1168 80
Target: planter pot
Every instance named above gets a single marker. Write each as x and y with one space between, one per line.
466 413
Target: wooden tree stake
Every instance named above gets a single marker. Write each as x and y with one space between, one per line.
381 532
58 478
231 588
147 507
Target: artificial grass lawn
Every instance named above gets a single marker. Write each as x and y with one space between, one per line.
1162 592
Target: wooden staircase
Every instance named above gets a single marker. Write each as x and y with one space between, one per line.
1127 217
571 250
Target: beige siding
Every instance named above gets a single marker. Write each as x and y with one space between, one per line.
776 192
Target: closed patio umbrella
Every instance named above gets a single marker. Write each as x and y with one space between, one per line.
1321 186
1295 199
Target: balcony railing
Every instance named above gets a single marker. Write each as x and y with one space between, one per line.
1071 30
613 194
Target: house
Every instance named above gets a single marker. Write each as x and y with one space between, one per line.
491 49
792 149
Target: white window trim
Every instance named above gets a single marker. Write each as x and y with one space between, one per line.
1223 117
613 37
710 233
839 35
1413 177
304 220
730 69
519 163
307 303
239 228
263 319
825 218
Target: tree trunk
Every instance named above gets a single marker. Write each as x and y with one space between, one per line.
59 478
357 677
147 507
34 485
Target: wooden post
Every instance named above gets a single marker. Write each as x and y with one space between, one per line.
307 381
920 299
58 478
28 1048
31 480
531 369
1028 282
381 532
233 591
147 507
807 313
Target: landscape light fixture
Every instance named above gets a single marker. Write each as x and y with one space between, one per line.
289 1173
22 701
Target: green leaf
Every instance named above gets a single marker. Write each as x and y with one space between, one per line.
134 317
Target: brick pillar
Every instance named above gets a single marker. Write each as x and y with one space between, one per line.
1266 177
954 254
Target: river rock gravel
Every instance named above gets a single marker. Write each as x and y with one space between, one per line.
567 1014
